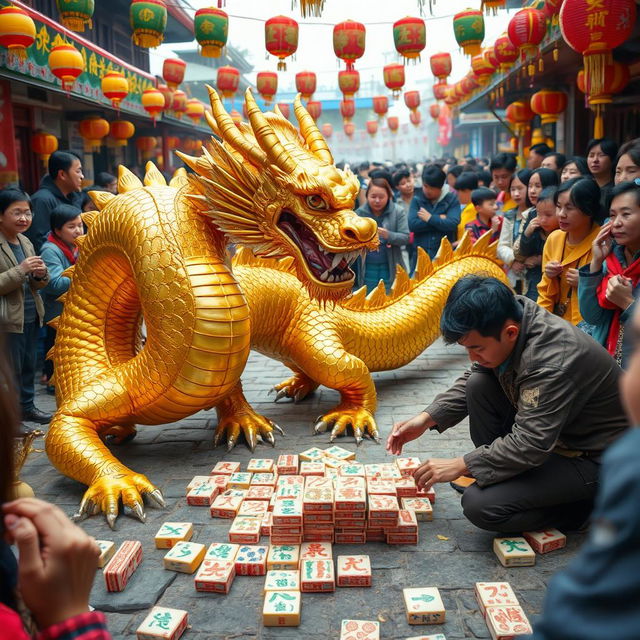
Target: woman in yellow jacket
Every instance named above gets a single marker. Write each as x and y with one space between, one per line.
569 247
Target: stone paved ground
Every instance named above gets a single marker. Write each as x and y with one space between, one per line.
173 454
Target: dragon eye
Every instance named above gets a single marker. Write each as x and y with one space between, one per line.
317 202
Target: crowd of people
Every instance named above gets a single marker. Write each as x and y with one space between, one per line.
546 415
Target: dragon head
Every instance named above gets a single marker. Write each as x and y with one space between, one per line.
276 190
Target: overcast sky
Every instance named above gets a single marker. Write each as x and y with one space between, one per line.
315 45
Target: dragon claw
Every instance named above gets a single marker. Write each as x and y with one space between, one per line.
359 418
138 511
111 519
230 444
157 497
270 438
279 429
320 427
281 394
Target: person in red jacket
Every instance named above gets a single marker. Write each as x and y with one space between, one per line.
57 560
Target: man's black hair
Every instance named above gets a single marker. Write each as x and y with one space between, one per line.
478 196
61 161
455 171
400 175
541 148
478 303
560 158
467 181
503 161
364 166
62 214
104 179
433 176
485 177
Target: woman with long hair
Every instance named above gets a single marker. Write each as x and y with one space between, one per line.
569 247
608 287
393 231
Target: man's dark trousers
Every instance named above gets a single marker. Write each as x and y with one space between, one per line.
559 493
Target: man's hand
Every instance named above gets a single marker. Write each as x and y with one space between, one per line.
437 470
424 215
407 431
573 277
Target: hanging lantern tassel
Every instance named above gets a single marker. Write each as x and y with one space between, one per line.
541 65
555 53
594 70
598 124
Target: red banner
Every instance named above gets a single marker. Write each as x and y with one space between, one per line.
8 156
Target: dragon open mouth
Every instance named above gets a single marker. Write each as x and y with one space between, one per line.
324 265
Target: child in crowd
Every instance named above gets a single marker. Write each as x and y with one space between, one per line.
528 250
484 202
465 184
59 252
569 247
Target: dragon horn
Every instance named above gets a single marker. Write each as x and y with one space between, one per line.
311 133
266 137
230 133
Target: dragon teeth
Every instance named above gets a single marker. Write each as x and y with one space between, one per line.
325 275
337 259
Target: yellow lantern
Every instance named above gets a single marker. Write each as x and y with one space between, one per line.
153 102
66 64
195 110
115 87
17 30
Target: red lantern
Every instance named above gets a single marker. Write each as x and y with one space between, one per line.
167 94
115 87
285 109
179 103
347 109
394 78
153 102
548 105
281 38
440 90
66 64
122 131
372 127
412 99
17 32
327 130
306 84
594 29
490 54
393 123
267 84
526 31
415 117
195 110
434 111
173 72
44 144
468 84
616 78
93 130
482 68
314 109
348 41
349 83
146 145
505 52
410 37
227 81
520 114
440 65
349 128
380 105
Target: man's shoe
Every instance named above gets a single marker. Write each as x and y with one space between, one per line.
35 415
461 483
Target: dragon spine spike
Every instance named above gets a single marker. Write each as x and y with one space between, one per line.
53 323
483 245
424 266
310 132
213 125
88 217
52 351
101 198
401 283
231 134
357 298
465 244
152 176
68 272
377 296
445 252
267 138
179 178
80 241
127 181
190 161
62 297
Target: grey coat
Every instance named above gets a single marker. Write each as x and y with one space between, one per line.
564 386
394 220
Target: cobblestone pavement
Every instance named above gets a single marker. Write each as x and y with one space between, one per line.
171 455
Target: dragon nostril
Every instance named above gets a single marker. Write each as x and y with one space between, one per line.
349 234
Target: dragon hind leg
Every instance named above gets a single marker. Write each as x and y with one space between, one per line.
298 386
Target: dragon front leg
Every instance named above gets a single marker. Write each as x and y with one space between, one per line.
236 416
326 362
74 447
298 387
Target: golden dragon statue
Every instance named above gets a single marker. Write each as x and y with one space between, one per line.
159 252
339 345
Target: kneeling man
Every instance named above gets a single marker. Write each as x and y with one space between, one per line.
543 403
